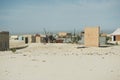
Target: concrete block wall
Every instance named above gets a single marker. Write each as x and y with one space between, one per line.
92 36
117 37
4 41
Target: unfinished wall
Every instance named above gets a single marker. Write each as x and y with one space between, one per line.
92 36
117 37
4 41
38 39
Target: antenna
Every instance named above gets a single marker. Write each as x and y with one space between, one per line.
45 31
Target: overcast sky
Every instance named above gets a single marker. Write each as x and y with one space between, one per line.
19 16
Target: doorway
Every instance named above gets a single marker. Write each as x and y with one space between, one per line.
26 40
114 38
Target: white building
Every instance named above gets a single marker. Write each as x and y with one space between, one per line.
116 35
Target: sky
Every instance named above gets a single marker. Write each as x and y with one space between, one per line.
33 16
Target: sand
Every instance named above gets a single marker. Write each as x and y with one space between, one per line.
60 62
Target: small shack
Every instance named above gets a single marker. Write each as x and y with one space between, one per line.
29 39
116 35
4 40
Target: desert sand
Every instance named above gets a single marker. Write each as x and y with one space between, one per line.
60 62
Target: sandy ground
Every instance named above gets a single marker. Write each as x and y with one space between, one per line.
60 62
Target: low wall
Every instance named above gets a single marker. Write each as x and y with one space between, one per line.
17 44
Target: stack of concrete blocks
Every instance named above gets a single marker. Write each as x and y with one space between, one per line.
92 36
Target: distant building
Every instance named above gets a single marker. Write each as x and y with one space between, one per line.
92 36
29 39
20 37
64 34
37 38
42 38
116 36
4 40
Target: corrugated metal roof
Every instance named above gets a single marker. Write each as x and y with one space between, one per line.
116 32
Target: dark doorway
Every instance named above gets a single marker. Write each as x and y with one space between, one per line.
114 38
26 40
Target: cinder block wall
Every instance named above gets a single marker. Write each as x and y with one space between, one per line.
117 37
92 36
4 41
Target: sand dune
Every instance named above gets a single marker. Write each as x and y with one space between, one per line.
60 62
